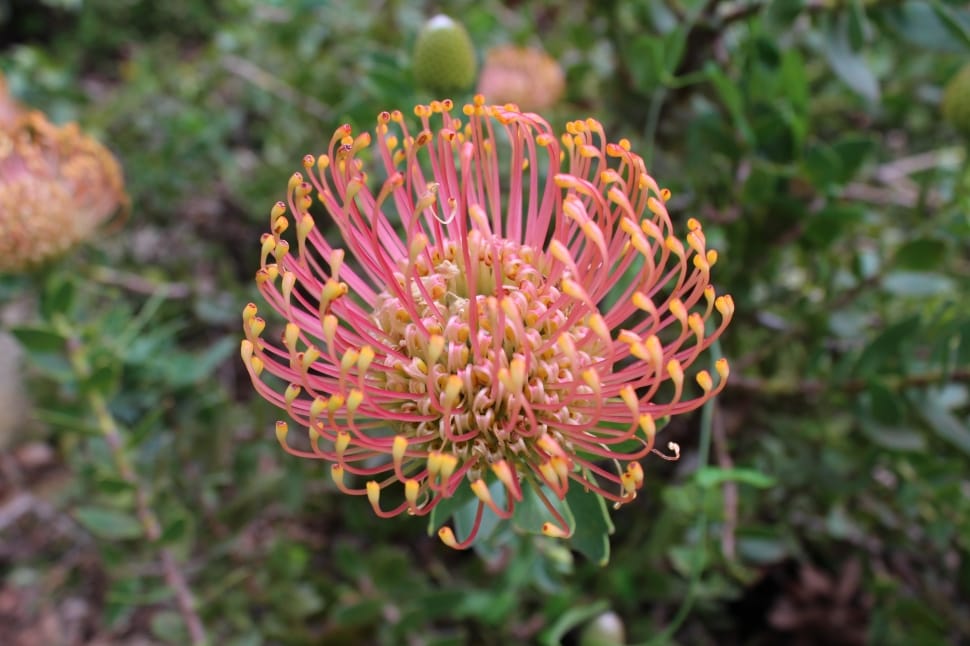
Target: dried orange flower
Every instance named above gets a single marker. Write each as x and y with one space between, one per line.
525 76
56 186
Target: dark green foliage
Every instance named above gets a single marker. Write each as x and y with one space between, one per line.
807 137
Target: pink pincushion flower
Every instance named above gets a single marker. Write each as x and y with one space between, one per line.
505 308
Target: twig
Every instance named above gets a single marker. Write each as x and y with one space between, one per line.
902 168
264 80
139 285
902 196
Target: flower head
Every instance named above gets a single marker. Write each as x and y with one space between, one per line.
56 186
506 308
526 76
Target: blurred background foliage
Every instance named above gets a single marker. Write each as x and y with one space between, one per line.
805 134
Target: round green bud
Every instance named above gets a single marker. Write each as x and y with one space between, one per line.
606 630
956 101
444 57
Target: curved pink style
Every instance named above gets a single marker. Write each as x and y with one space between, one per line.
505 308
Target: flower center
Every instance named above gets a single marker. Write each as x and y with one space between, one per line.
487 361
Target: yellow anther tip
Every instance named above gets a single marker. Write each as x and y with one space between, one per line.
554 531
448 537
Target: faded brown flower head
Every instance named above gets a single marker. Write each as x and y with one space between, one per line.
525 76
57 185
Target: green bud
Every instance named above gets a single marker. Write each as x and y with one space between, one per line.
956 101
444 57
605 630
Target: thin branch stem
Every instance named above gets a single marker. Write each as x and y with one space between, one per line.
112 434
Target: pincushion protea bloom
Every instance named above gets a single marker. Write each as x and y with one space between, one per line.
57 185
470 341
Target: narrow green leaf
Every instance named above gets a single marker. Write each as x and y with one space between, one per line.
39 339
167 625
531 513
103 379
108 523
113 485
57 297
850 65
591 538
465 517
174 531
945 424
921 254
917 284
859 29
673 51
445 509
575 616
714 476
894 438
885 346
958 24
731 98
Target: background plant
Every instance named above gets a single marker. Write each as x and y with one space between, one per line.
805 135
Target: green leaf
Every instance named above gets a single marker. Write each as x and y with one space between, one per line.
917 23
849 65
531 513
591 538
883 404
885 346
174 531
761 546
714 476
917 284
168 626
852 151
465 517
831 222
795 79
858 25
143 430
445 509
958 24
575 616
57 297
780 14
893 438
104 378
920 254
186 369
732 99
944 423
672 52
39 339
113 485
108 523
